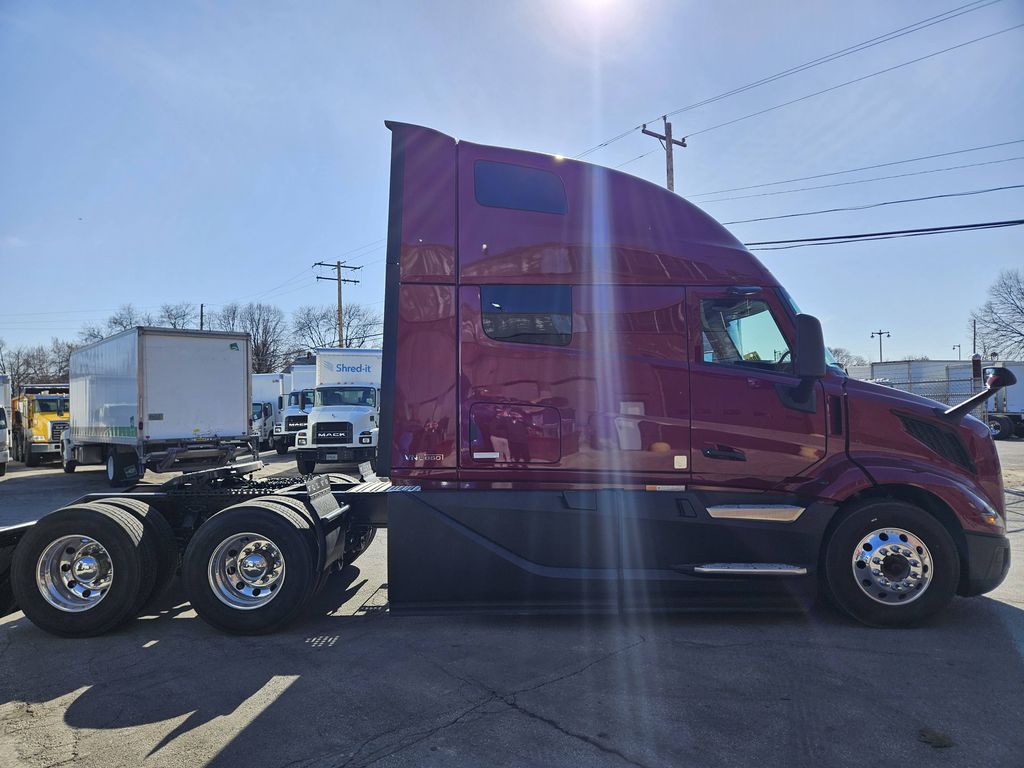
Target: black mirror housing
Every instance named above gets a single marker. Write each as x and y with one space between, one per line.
997 377
809 355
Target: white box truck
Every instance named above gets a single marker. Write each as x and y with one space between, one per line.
296 410
159 399
267 396
343 425
5 409
1005 412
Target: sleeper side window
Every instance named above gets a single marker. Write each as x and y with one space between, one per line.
505 185
527 314
742 332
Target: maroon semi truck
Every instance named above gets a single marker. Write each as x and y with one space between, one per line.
593 397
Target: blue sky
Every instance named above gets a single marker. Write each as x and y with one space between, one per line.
163 152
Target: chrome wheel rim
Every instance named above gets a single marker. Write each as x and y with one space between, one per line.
892 566
994 427
74 573
246 571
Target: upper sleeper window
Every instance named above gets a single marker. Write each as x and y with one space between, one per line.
503 185
527 314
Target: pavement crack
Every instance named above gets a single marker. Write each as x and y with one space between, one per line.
580 670
608 750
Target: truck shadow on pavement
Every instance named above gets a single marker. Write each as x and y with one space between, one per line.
701 689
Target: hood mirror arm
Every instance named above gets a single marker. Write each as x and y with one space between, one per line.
996 378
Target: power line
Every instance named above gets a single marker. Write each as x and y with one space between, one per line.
870 43
862 168
877 205
864 181
851 82
863 236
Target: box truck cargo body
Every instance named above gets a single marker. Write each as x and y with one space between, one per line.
342 426
593 397
159 399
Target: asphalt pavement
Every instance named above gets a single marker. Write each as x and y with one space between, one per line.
350 685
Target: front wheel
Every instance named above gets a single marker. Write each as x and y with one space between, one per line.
69 466
281 447
1001 427
305 467
3 469
891 564
31 459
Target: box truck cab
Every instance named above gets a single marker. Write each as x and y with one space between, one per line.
5 409
267 394
293 419
343 424
41 415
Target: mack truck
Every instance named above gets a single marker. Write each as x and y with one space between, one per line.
342 426
41 413
593 397
5 409
296 409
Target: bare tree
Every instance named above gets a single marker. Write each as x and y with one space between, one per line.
181 315
361 325
268 331
1000 319
911 358
314 327
228 319
127 316
60 358
846 358
91 332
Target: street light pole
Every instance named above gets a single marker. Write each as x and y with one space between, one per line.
957 348
879 334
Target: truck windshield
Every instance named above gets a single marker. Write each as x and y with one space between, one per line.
366 396
829 359
257 410
305 397
57 405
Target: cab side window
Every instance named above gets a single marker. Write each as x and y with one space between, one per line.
742 332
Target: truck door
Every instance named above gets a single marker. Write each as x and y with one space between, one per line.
746 433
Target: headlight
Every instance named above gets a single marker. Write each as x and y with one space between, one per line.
39 438
300 440
277 429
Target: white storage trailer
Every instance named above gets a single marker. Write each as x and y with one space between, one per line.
159 399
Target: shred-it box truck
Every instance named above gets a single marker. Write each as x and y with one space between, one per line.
159 399
5 410
593 396
296 410
342 426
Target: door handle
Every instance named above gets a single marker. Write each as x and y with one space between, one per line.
725 453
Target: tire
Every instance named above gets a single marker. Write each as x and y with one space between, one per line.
31 459
290 536
860 591
1001 426
69 466
1018 430
159 533
359 540
305 467
281 447
3 469
118 533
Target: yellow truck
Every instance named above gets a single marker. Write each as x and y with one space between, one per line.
40 414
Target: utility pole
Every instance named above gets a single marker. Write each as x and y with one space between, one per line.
338 266
201 307
974 340
879 334
667 141
957 348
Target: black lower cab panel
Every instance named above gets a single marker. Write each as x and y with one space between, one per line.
615 551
